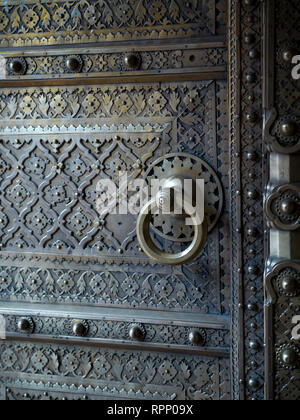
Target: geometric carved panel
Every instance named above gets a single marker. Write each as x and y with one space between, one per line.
56 143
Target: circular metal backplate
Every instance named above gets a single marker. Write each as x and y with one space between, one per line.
176 164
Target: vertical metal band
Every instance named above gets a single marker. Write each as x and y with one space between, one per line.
282 276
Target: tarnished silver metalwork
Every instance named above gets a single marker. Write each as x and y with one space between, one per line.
108 321
281 133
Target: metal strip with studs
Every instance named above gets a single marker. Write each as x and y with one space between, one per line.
282 200
57 66
210 336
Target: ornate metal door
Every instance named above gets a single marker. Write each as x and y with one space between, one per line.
92 89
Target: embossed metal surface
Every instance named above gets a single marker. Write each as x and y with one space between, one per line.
281 133
201 57
59 22
57 140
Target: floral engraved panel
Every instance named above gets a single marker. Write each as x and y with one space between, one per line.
184 377
49 22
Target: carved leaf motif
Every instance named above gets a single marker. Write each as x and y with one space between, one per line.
81 284
174 10
185 371
76 16
107 13
174 100
15 18
45 16
87 366
118 368
44 106
54 363
107 102
140 102
146 287
12 106
140 12
19 281
75 105
150 372
50 282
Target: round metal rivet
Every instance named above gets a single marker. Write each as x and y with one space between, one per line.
16 66
252 194
195 338
289 128
73 64
132 61
251 77
289 284
253 53
254 345
252 307
288 206
79 328
25 325
136 333
253 383
288 55
250 39
253 232
289 357
251 117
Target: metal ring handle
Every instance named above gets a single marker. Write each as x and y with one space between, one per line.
162 257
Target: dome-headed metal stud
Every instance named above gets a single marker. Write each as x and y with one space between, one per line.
253 269
288 55
74 64
136 332
254 345
17 66
252 307
132 61
249 38
252 194
250 77
289 357
253 383
80 328
253 53
196 338
288 206
251 117
289 128
253 232
25 325
289 284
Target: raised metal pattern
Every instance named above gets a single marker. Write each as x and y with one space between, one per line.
283 292
283 207
51 23
85 123
191 166
247 172
104 372
214 340
282 133
100 63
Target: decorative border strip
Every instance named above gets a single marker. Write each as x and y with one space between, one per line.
246 176
94 330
